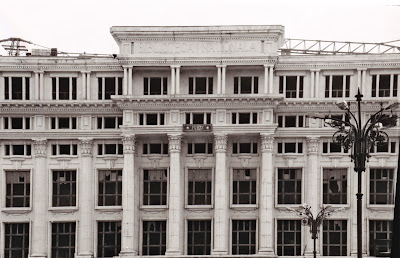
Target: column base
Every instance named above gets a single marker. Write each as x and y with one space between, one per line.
84 256
128 253
219 252
37 256
172 252
267 252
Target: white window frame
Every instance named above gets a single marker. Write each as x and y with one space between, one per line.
70 78
297 85
199 207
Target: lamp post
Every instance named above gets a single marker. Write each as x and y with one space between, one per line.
352 134
314 223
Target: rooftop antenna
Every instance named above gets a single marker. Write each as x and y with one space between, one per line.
14 47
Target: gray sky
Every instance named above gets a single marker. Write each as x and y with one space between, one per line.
84 25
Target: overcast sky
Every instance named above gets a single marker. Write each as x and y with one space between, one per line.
84 25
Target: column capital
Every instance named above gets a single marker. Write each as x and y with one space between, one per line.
269 65
129 143
174 142
221 66
315 70
38 71
175 66
86 146
362 69
127 66
267 142
40 147
312 145
221 141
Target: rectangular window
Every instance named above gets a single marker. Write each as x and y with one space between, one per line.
110 188
113 122
152 119
63 239
155 85
289 186
335 186
64 149
385 147
17 123
200 147
244 147
198 118
384 85
244 118
108 86
244 186
289 237
64 88
380 237
154 237
290 147
244 237
18 189
245 85
337 86
108 238
16 240
17 88
64 188
334 238
291 86
18 149
63 123
200 85
381 186
155 148
199 237
291 121
155 187
199 186
109 149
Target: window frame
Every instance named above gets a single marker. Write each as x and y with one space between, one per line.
74 233
394 85
146 145
371 240
144 206
254 85
72 123
187 245
281 147
199 206
25 237
164 87
8 148
192 82
73 147
235 118
164 224
25 88
72 87
341 231
207 117
277 204
142 118
256 192
26 122
329 83
71 196
277 220
117 195
118 236
348 181
299 91
118 148
101 87
255 220
101 122
191 146
369 191
4 202
300 121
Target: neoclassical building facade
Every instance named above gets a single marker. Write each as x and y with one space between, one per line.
192 141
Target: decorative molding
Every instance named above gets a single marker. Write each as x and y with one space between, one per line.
64 162
129 144
110 160
221 141
155 160
244 160
40 147
86 146
174 142
17 162
267 143
312 145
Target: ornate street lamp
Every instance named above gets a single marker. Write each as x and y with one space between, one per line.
353 134
314 223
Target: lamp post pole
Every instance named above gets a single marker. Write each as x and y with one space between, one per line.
352 134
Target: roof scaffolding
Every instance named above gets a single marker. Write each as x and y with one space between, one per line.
325 47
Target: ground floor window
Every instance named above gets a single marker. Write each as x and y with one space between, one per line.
380 236
199 237
63 239
154 237
243 237
289 237
335 238
108 238
16 240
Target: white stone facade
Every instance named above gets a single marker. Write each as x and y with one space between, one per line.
206 131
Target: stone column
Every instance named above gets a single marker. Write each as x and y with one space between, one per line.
83 88
130 235
312 89
317 83
176 198
37 86
178 78
266 90
172 80
266 201
221 205
271 80
312 189
39 234
41 85
125 82
130 86
223 79
88 88
86 201
218 79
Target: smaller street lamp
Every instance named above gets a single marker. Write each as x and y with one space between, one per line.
314 223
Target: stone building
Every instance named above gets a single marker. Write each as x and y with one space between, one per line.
190 141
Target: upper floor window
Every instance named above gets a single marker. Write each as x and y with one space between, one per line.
16 88
200 85
290 147
242 147
155 148
332 147
291 86
64 188
198 147
244 118
199 186
64 88
109 122
152 119
64 149
381 186
155 86
245 85
290 121
335 186
337 86
18 189
244 186
385 147
17 122
109 86
198 118
384 85
155 187
109 149
63 123
18 149
289 186
110 188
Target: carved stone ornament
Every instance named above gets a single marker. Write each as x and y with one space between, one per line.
221 141
40 147
312 145
86 146
267 143
174 142
129 144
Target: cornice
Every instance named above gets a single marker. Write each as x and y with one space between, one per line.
152 37
60 134
63 68
309 65
168 61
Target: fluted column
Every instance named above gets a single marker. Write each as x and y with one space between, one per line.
221 205
176 198
40 201
86 202
266 202
130 235
312 190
